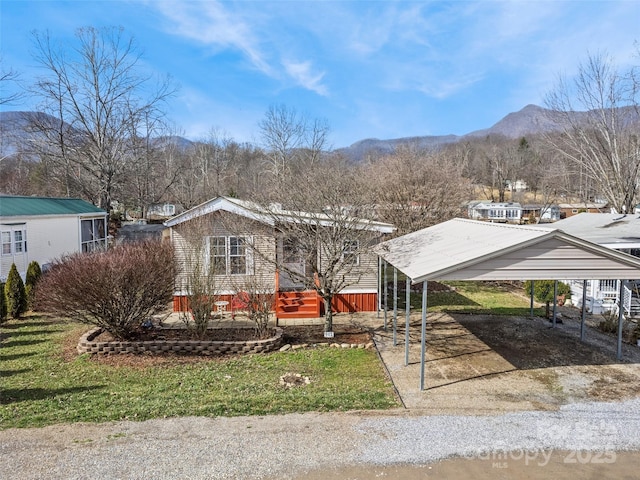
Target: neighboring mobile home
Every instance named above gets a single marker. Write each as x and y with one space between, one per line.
505 212
42 229
612 230
243 242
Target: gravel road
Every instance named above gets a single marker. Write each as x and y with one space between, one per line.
286 446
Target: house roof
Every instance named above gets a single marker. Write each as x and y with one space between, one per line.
256 212
14 206
611 230
461 249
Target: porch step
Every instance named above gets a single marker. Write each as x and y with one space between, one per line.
305 304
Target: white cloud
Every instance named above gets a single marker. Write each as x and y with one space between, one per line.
209 23
302 73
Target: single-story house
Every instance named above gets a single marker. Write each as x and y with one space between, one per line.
42 229
244 241
611 230
541 213
570 209
504 212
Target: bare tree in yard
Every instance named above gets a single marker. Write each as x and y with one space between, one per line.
199 277
97 98
415 188
599 114
255 296
319 217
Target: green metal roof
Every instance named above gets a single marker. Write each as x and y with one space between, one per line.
14 206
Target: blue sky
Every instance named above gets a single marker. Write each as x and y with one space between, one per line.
372 69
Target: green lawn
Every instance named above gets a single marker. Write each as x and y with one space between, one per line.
40 387
476 297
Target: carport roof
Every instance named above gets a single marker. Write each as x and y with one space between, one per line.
462 249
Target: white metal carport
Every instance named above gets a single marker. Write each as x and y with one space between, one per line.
461 249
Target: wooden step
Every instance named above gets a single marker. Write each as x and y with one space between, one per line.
305 304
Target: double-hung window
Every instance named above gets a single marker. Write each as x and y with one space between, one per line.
350 251
218 251
229 255
14 241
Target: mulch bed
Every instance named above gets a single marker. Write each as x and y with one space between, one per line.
294 335
311 334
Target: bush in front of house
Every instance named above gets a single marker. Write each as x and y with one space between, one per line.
15 294
34 272
116 290
3 304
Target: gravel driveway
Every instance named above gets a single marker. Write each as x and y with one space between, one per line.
288 445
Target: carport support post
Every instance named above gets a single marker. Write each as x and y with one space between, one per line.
423 332
395 306
531 302
555 301
407 297
385 295
584 310
620 317
379 285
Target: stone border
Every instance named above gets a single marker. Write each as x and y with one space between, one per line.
199 347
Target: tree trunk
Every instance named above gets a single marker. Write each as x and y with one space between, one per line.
328 314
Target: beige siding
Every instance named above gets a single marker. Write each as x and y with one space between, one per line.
189 241
552 260
363 278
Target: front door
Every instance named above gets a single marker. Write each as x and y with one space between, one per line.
293 270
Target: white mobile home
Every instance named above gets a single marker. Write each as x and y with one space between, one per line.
615 231
505 212
42 229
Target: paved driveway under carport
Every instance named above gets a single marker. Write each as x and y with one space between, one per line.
485 364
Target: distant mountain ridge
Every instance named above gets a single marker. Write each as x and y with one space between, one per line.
530 120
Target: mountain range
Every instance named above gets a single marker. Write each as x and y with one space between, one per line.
529 121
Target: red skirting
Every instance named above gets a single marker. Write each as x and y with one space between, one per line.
344 302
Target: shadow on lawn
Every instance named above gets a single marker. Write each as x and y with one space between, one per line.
15 356
8 396
26 333
20 343
8 373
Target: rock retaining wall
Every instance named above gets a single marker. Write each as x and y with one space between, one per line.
198 347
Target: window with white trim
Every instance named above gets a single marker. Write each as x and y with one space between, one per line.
229 255
218 252
6 243
93 234
350 255
14 242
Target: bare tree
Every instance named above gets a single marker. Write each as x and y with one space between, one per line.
97 98
8 76
415 188
198 278
599 112
292 141
154 171
324 237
